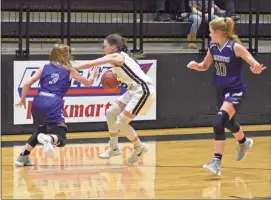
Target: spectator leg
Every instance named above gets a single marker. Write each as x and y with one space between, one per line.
196 21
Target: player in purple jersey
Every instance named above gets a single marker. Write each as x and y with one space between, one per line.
227 53
47 109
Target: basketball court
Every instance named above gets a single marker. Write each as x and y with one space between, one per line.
171 169
164 41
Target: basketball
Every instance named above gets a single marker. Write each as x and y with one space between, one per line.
109 80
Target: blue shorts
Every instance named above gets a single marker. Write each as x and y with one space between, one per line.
234 96
48 110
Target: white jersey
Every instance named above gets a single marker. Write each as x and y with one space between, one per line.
130 74
140 93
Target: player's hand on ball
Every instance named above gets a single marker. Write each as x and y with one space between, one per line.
257 68
93 71
192 65
21 103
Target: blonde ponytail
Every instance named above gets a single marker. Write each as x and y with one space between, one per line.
230 30
225 25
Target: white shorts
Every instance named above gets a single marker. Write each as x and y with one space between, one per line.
137 101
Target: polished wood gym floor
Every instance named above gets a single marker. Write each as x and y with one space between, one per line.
171 169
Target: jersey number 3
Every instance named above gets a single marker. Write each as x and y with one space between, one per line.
54 77
221 69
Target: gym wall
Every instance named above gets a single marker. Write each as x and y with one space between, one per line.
185 98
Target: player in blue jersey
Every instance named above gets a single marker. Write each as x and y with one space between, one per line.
227 53
47 109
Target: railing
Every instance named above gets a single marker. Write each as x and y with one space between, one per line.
40 22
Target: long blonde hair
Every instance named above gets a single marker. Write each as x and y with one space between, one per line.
60 54
225 25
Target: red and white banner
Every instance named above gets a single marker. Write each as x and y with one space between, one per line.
82 104
77 173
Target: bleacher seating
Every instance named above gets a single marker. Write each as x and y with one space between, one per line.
101 28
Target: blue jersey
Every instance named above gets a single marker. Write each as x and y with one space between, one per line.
47 107
228 72
55 79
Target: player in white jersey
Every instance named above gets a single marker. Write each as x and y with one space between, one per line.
137 100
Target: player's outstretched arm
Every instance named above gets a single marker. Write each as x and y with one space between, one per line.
115 59
243 53
204 65
27 85
87 82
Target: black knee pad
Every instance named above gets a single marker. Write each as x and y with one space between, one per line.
233 126
42 129
33 140
219 124
60 132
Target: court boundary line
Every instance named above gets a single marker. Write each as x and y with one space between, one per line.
149 132
157 138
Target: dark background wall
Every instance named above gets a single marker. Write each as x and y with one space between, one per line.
185 98
97 27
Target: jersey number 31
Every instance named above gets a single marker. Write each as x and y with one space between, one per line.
221 69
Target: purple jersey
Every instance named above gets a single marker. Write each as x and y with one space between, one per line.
228 73
48 105
55 79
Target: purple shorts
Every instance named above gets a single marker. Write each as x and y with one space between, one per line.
47 110
234 96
